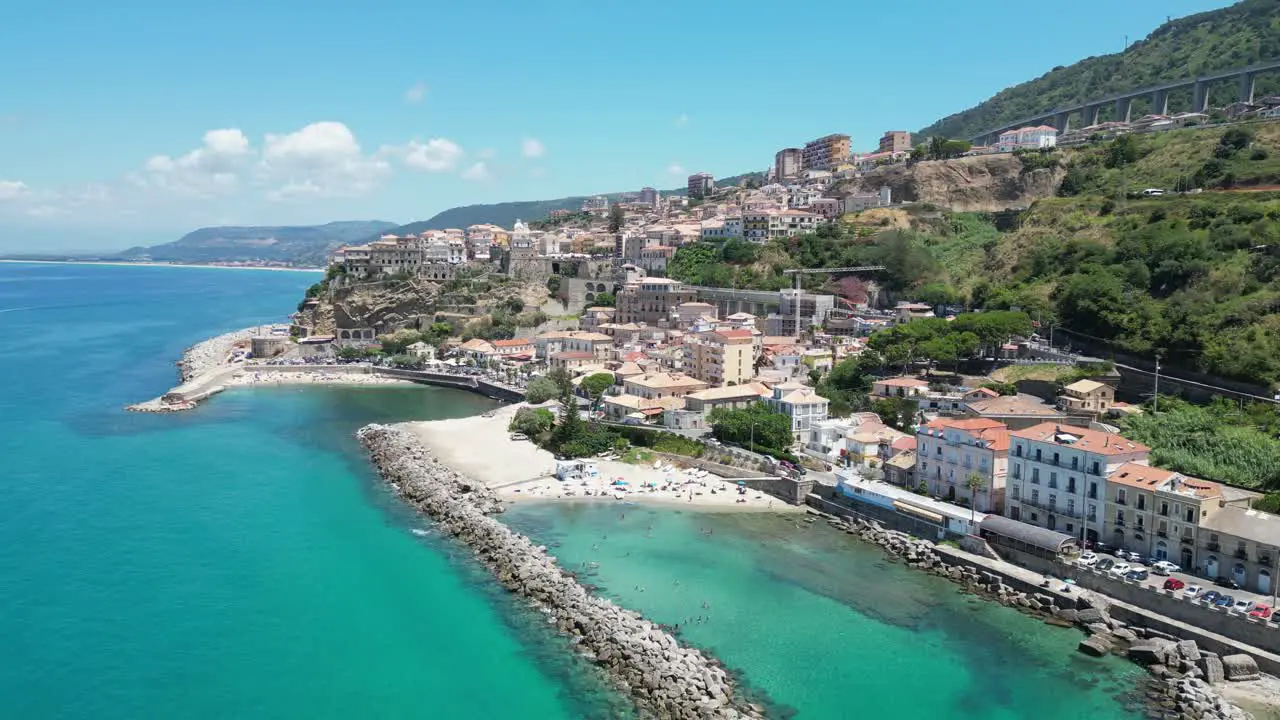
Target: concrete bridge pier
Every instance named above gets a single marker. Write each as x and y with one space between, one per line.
1160 102
1246 87
1123 106
1200 103
1090 115
1062 122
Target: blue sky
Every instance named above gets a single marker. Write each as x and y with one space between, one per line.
138 121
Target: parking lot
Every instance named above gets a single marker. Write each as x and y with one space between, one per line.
1157 581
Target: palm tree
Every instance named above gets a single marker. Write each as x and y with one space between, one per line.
975 483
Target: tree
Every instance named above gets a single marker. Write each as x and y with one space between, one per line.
595 385
755 427
604 299
616 218
540 390
533 422
974 483
898 413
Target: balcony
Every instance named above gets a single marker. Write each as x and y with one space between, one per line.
1120 501
1118 523
1213 547
1055 510
1187 539
1242 555
1264 560
1162 533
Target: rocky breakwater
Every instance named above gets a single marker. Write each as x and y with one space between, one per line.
1183 675
664 679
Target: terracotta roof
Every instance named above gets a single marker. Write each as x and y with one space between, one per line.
904 444
733 334
477 344
514 342
995 434
1145 477
1093 441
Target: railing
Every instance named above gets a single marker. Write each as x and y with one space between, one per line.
1213 547
1055 510
1187 539
1242 555
1162 533
1264 560
1120 501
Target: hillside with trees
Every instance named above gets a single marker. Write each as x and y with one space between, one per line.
1245 33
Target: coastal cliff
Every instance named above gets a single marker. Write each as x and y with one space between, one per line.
663 678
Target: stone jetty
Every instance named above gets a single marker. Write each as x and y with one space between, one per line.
1183 675
664 678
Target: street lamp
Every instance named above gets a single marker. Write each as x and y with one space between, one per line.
753 436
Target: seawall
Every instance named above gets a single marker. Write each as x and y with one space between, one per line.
663 678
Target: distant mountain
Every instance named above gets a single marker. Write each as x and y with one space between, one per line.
505 214
1245 33
302 246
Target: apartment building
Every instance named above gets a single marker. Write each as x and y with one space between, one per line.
1027 138
649 196
1058 475
1242 544
801 404
1158 513
948 451
653 386
895 141
788 163
732 397
701 185
650 300
1087 397
720 357
826 152
760 225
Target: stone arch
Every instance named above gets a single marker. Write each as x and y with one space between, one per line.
1211 567
345 334
590 297
368 334
1238 574
1162 550
1264 581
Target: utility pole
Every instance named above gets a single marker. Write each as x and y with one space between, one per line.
1155 395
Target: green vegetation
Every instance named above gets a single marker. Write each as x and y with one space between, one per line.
897 413
940 148
604 299
594 386
1244 33
533 422
574 437
540 390
755 427
1221 441
937 340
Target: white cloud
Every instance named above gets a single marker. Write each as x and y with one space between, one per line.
681 120
416 94
675 169
11 189
532 148
479 172
210 169
435 155
322 159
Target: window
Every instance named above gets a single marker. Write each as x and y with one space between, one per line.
1053 500
1142 502
1191 515
1055 458
1071 505
1053 480
1164 509
1017 472
1071 485
1017 494
1035 496
1035 476
1093 512
1071 528
1120 496
1017 450
1075 463
1119 518
1094 468
1093 491
1038 458
1035 517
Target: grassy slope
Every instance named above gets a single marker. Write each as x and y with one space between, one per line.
1239 35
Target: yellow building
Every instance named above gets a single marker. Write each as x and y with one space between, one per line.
721 357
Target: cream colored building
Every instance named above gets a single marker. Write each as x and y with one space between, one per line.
720 357
660 385
1087 396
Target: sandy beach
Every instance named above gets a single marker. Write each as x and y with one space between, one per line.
520 471
252 377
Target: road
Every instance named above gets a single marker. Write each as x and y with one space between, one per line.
1189 579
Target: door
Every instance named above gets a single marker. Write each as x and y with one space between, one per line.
1053 523
1186 559
1264 581
1238 574
1162 550
1211 568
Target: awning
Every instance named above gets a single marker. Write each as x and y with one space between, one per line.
919 511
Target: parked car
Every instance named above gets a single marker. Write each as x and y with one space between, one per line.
1226 582
519 436
1105 564
1174 584
1225 601
1164 567
1087 559
1137 574
1152 192
1260 611
1244 606
1119 569
1209 597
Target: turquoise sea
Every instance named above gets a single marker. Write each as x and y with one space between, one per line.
241 561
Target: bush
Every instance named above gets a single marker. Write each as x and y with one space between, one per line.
532 421
540 390
1258 154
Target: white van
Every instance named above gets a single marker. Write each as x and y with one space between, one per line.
1152 192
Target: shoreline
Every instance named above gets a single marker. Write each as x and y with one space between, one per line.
518 471
124 263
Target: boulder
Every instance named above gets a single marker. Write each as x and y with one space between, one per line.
1088 616
1067 614
1095 645
1188 650
1125 634
1240 667
1211 666
1151 652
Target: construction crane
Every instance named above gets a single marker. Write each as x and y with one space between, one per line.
821 271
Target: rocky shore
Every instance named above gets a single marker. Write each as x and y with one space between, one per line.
208 355
663 678
1183 675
